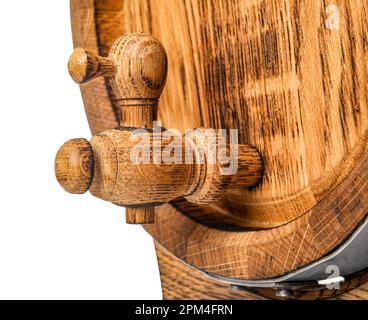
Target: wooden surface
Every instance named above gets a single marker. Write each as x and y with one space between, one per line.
179 281
83 66
120 181
261 254
74 166
295 89
297 92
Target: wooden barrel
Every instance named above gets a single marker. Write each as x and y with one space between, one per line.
291 77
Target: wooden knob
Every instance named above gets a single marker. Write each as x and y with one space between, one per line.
74 165
141 67
84 66
136 67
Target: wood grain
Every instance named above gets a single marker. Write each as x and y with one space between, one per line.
285 94
97 95
136 68
109 166
84 66
179 281
74 166
295 89
262 254
139 81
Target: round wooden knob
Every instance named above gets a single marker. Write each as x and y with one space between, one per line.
141 68
137 67
74 165
84 66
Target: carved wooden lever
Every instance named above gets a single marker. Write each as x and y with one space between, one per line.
137 68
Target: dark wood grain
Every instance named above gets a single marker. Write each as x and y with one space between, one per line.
295 89
179 281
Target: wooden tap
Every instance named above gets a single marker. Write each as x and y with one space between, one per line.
137 69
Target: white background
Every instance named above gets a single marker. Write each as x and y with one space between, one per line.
54 245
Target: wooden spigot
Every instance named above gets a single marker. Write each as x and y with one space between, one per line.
137 69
